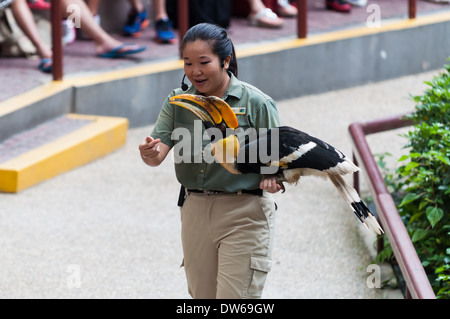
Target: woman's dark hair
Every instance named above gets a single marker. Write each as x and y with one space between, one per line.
221 44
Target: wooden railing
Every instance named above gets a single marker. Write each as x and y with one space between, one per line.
417 284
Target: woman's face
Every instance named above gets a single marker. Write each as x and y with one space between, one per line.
204 70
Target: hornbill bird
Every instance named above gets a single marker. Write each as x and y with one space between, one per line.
297 153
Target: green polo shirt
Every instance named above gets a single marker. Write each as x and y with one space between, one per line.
181 130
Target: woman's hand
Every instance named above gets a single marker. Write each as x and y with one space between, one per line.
153 151
269 184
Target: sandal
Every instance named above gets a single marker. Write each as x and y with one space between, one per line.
285 9
38 4
120 51
266 18
357 3
46 65
338 5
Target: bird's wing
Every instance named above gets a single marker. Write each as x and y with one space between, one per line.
289 148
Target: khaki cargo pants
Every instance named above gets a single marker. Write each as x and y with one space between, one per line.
227 243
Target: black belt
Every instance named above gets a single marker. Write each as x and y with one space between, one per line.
256 192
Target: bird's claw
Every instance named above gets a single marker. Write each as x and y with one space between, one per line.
283 189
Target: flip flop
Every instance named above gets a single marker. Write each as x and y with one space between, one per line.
46 65
116 53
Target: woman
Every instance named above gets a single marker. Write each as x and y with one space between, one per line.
227 220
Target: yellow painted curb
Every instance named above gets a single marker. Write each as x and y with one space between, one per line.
334 36
103 135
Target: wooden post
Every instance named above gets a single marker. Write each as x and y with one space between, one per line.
302 19
183 18
412 9
56 18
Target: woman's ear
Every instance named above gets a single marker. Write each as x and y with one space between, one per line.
226 62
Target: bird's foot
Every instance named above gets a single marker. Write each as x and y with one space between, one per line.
283 189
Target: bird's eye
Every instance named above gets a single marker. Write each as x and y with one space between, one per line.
222 126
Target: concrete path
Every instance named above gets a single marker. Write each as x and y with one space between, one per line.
111 229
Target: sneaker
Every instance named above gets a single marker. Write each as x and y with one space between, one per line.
5 3
357 3
164 31
135 23
38 4
68 32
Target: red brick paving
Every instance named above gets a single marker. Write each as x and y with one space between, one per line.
46 132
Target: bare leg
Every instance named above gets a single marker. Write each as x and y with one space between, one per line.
255 6
137 4
25 20
93 6
160 9
103 41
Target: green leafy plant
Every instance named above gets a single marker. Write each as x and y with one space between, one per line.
422 183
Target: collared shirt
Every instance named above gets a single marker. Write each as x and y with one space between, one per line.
181 130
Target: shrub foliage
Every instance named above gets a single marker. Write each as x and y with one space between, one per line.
421 184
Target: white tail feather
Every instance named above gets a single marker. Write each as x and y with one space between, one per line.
373 224
351 196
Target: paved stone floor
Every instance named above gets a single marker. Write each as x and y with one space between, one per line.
111 228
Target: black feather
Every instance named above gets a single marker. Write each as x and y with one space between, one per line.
278 143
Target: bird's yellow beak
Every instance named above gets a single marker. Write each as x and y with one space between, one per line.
210 109
226 150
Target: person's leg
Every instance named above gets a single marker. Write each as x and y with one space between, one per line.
256 6
25 20
159 6
163 26
245 226
137 19
200 253
262 16
137 4
93 6
104 42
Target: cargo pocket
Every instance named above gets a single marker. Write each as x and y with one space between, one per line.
259 267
